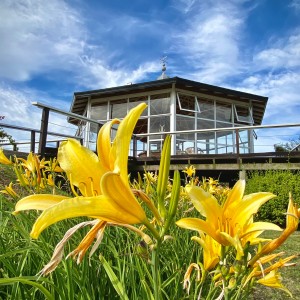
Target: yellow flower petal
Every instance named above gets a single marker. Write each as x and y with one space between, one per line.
249 206
204 202
3 159
10 191
121 143
211 251
113 187
236 243
99 207
292 226
235 196
38 202
253 230
202 226
82 165
104 145
273 280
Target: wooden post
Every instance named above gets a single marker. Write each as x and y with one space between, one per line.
32 141
44 130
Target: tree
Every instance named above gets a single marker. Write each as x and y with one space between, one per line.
5 137
288 146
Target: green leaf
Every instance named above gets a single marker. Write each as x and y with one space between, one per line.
6 281
163 175
118 286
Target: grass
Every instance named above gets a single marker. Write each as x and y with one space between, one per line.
291 275
21 259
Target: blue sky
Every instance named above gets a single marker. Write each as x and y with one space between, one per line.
49 49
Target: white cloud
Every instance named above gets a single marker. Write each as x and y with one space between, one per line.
184 5
295 4
284 54
104 76
18 110
283 106
283 91
38 36
210 42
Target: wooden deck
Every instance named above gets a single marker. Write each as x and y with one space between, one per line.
253 161
227 167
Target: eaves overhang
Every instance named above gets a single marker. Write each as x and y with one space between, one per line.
259 103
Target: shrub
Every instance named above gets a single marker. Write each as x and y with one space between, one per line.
280 183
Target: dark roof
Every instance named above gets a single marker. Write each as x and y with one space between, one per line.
259 102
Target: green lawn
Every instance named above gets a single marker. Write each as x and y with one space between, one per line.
291 275
21 256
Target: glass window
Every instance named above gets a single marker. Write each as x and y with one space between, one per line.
224 112
206 109
206 146
185 140
133 102
205 140
225 141
118 108
243 141
205 124
188 102
159 124
99 112
243 114
160 104
184 123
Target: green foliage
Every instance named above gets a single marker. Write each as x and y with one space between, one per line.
280 183
288 146
127 264
21 259
5 136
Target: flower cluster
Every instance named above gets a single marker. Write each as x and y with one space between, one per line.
234 254
33 174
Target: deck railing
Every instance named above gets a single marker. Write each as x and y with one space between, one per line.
33 138
40 136
237 144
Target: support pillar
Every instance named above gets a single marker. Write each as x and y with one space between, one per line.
44 130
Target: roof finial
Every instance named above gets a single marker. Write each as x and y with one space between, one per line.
164 68
163 61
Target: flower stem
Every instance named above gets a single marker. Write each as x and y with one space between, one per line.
152 229
156 271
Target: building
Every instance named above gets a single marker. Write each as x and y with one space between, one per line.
175 105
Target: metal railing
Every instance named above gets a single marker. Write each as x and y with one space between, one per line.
33 137
44 133
237 143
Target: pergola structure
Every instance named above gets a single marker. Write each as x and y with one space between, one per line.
175 105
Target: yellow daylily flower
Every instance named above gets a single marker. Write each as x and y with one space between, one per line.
10 191
190 171
211 250
292 221
102 180
232 222
53 166
32 163
3 159
273 280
